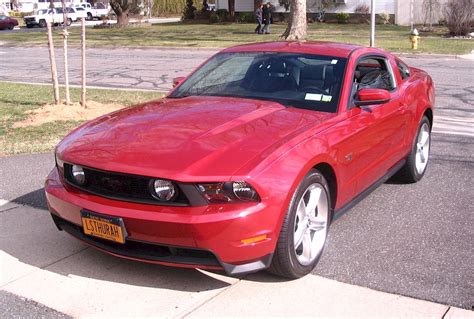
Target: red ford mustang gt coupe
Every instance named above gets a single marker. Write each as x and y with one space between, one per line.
246 162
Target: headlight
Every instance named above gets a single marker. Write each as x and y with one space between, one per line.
163 190
78 174
59 161
228 192
245 192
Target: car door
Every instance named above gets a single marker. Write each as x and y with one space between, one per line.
379 128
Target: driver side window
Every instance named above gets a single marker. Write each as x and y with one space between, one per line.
374 73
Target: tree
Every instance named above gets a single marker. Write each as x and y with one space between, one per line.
121 9
430 8
297 26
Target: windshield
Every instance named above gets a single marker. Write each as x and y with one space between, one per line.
292 79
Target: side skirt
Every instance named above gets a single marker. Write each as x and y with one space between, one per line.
344 209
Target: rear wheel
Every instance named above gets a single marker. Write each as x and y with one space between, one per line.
417 161
68 21
304 230
89 16
42 23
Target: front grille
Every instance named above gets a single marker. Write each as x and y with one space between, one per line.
120 186
143 251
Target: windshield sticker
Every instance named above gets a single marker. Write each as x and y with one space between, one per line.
326 98
334 62
313 97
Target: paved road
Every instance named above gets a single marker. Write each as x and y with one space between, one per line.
92 23
414 240
130 68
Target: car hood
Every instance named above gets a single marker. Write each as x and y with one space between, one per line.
186 139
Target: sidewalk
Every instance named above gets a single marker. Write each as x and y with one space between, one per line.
53 269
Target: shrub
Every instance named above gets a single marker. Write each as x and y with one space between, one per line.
384 17
342 17
458 14
189 11
214 18
223 14
246 17
363 11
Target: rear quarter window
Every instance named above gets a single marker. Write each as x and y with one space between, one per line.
403 69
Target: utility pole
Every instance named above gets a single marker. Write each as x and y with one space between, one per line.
372 23
83 62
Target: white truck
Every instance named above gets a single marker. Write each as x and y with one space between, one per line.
54 16
97 12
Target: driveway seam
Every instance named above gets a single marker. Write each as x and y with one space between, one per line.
43 267
447 310
200 305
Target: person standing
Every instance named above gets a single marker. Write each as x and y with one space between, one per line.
259 16
267 16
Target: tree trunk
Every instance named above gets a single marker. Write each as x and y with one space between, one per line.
121 11
123 19
297 27
52 60
231 5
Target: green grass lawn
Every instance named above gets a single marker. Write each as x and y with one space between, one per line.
390 37
16 100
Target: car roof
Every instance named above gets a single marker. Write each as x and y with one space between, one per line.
336 49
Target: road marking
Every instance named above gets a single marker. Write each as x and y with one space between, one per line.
3 202
453 125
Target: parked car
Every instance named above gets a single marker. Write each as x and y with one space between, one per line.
7 23
80 12
54 16
96 12
247 161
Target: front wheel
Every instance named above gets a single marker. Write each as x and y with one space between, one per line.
304 230
10 26
417 161
68 22
89 16
42 23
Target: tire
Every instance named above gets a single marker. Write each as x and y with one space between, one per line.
42 23
68 21
417 161
89 16
10 26
304 230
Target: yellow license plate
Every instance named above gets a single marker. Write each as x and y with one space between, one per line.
105 227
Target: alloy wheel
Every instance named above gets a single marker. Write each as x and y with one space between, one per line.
311 224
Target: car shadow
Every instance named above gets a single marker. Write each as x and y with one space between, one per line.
30 237
36 199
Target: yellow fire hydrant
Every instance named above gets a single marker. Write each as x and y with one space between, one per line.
414 39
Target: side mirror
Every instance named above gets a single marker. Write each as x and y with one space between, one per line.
371 96
177 81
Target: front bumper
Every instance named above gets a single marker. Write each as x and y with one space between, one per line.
208 237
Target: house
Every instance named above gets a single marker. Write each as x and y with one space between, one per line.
400 9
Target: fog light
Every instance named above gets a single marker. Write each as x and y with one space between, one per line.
78 174
163 190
